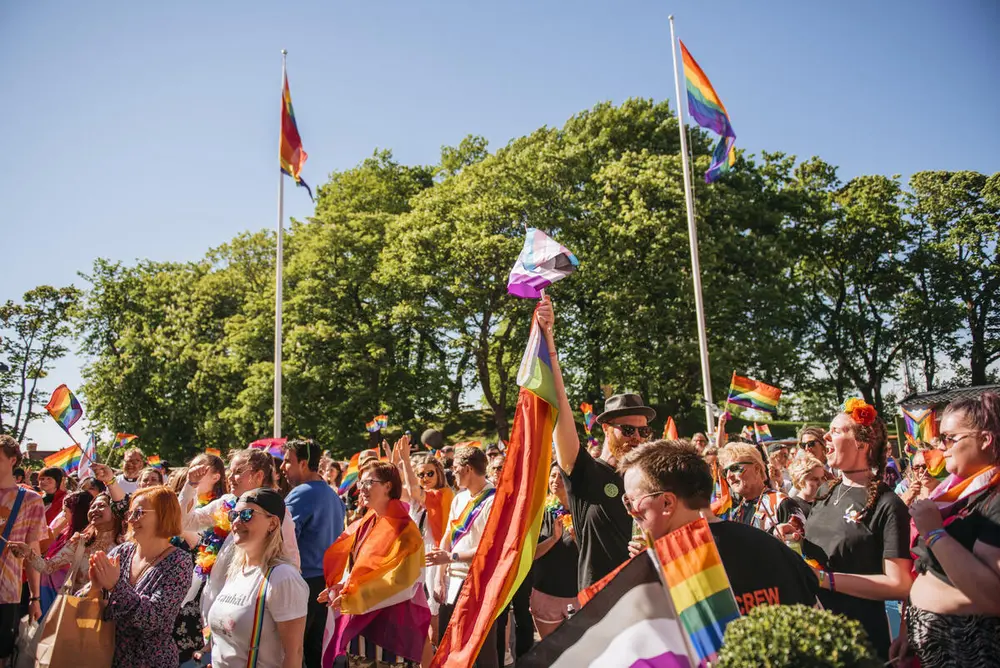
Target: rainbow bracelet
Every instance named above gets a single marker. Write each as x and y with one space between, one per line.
934 536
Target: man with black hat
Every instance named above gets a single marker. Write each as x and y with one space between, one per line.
603 526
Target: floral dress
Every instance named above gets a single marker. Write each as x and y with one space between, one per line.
144 614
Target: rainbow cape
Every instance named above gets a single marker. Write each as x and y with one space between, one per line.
753 394
708 111
699 586
67 459
291 156
507 549
64 408
383 597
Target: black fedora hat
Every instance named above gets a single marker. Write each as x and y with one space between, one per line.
621 405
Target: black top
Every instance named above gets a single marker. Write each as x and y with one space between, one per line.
554 572
979 520
839 541
762 570
603 526
804 506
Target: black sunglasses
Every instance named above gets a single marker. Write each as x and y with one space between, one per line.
813 443
244 515
427 474
737 468
628 430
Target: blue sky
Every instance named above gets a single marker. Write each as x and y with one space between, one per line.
149 130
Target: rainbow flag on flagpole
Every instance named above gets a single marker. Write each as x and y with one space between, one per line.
507 548
708 111
754 394
67 459
291 156
699 586
64 408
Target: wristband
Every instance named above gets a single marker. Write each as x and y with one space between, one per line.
934 536
34 599
833 586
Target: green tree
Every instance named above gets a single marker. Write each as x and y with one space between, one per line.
33 335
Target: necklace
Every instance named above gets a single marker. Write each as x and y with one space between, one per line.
843 492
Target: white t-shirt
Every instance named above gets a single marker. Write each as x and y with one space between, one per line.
128 486
232 614
470 541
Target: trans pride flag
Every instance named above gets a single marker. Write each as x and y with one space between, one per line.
541 263
708 111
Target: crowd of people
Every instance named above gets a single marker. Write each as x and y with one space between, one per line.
256 561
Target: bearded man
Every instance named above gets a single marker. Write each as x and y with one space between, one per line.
602 524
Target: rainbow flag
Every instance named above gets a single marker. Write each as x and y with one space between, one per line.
699 586
213 451
121 440
588 417
541 263
64 408
670 429
708 111
382 421
507 549
274 446
371 427
763 432
921 423
291 155
350 475
747 433
154 461
469 444
67 459
438 505
722 499
753 394
934 459
89 457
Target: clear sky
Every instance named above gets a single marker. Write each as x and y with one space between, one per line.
149 130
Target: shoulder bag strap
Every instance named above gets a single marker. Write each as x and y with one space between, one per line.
78 557
12 518
258 620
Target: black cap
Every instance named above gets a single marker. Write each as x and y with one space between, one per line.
775 447
267 499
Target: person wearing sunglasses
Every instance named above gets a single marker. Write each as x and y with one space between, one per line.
373 569
668 485
755 504
593 486
144 581
952 617
921 484
259 568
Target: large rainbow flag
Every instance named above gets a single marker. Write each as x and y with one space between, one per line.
291 156
753 394
699 586
507 548
64 408
708 111
67 459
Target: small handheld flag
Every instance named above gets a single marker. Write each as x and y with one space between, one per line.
121 440
67 459
670 429
921 423
708 111
89 457
64 408
213 451
154 461
541 263
763 432
274 446
754 394
291 156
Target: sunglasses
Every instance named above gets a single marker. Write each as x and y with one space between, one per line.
631 506
948 440
919 467
244 515
427 474
628 430
137 514
813 443
737 468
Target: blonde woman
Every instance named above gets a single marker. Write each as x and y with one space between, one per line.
262 607
808 475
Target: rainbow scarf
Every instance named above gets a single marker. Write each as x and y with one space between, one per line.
258 620
554 507
461 524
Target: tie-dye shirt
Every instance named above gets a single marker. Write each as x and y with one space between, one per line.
29 526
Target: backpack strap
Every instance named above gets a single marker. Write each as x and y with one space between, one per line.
258 620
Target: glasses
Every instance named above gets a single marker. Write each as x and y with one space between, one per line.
948 440
427 474
367 484
628 430
240 471
244 515
737 468
813 443
137 514
919 467
632 506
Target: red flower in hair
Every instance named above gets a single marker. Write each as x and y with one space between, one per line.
861 412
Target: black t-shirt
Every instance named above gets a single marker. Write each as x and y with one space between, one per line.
805 507
555 571
762 570
841 542
603 526
978 521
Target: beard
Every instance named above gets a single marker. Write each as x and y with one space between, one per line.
618 446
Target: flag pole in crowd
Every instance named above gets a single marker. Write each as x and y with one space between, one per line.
699 302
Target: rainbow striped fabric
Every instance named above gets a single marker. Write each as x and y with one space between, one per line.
213 451
588 417
350 475
753 394
934 459
67 459
154 461
259 615
722 499
274 446
461 524
535 373
291 156
541 263
121 440
921 423
371 427
708 111
699 586
763 432
670 429
64 408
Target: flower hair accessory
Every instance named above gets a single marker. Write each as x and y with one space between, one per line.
861 412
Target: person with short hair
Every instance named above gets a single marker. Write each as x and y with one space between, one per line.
668 486
259 568
19 476
93 486
808 475
754 503
50 482
318 514
144 581
921 483
777 466
132 465
700 442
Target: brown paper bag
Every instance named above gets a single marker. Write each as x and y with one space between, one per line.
75 634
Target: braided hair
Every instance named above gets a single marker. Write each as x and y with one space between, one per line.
877 439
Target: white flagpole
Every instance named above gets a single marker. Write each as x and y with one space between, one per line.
279 261
699 303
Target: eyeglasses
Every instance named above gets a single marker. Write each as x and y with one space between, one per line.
948 440
427 474
812 443
632 506
628 430
136 514
919 467
737 468
244 515
367 483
